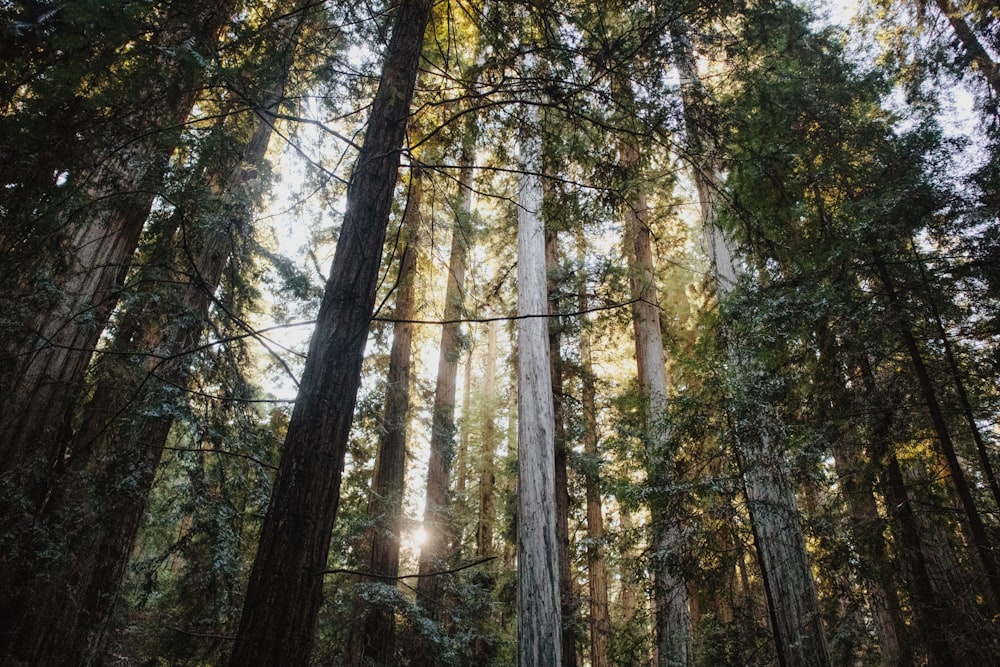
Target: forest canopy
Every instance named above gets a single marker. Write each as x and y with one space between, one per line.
465 332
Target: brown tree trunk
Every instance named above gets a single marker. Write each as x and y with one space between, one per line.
377 625
867 526
286 582
981 544
484 527
789 587
956 375
671 610
988 68
98 503
434 554
600 621
567 601
40 390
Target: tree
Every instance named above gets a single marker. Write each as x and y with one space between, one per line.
285 588
117 187
376 626
539 624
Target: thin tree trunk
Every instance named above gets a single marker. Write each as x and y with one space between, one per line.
434 554
566 596
980 542
988 68
960 391
857 481
286 582
377 624
600 621
539 624
671 610
484 528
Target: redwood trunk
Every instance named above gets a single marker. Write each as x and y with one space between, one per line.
484 529
286 582
539 625
981 544
40 392
600 621
671 611
789 588
437 511
377 625
98 504
566 596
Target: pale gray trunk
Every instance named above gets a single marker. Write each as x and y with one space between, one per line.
539 630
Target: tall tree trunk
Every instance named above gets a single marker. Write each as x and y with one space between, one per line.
789 587
40 390
671 610
97 504
567 601
539 625
437 509
988 68
856 480
377 625
484 527
981 543
286 582
956 375
600 621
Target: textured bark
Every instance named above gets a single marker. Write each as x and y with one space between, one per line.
98 503
385 507
671 611
539 624
599 620
867 528
774 514
286 582
566 596
790 591
41 388
434 554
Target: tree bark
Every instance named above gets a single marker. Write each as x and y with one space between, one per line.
567 601
486 519
981 544
434 554
286 582
40 390
377 625
97 504
790 591
671 610
539 619
600 621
